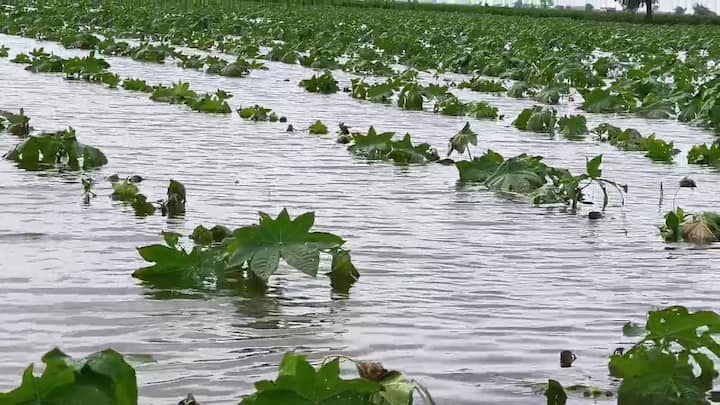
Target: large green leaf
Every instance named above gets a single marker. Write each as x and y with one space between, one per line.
104 378
372 145
520 174
480 168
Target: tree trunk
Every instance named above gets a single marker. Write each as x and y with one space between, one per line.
649 8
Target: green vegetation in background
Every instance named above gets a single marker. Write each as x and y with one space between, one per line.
587 14
633 77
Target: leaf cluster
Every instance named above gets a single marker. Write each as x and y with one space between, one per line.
56 150
631 140
250 254
382 146
103 378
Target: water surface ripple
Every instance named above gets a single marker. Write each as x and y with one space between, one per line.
470 293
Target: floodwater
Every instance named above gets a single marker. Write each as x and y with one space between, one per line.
466 291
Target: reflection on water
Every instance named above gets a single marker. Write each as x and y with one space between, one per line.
463 289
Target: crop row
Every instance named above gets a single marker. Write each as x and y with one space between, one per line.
410 94
665 73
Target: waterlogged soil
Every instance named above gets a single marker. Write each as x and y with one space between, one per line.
466 291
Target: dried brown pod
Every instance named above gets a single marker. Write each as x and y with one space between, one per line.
371 370
698 233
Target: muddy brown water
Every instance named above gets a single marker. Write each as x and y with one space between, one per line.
468 292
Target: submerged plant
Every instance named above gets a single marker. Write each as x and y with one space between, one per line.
318 128
374 385
88 68
700 229
573 126
101 378
661 367
257 113
211 103
175 204
377 93
324 83
530 176
705 154
461 141
537 119
18 124
58 149
250 253
483 85
137 85
374 146
151 53
179 93
631 140
239 68
411 97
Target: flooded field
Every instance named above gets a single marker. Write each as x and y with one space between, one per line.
465 290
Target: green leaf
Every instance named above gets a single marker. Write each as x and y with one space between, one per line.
572 127
112 365
301 256
480 168
632 329
142 207
318 128
343 273
103 378
519 174
265 261
405 152
397 390
555 393
124 191
372 146
171 238
325 83
460 141
592 167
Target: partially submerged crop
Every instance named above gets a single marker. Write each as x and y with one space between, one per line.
699 229
299 382
54 150
137 85
529 176
672 363
573 126
483 85
374 146
318 128
17 124
324 83
705 154
102 378
127 191
631 140
257 113
105 378
537 119
251 254
461 141
180 93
